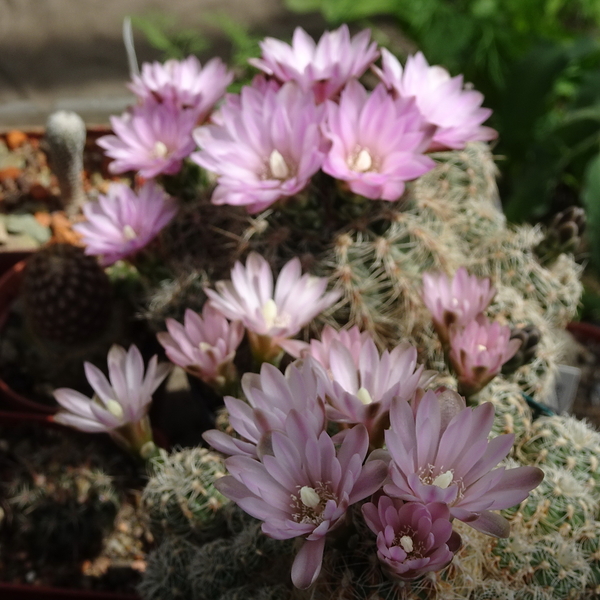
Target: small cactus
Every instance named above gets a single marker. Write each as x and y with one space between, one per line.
67 296
180 496
167 572
65 136
63 516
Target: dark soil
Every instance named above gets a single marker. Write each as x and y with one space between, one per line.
71 513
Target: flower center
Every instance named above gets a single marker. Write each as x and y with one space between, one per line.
160 149
482 347
309 504
361 161
443 480
364 396
407 544
205 347
272 316
278 166
114 408
406 541
129 233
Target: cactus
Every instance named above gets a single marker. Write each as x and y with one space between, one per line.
376 253
166 574
565 442
180 497
65 518
562 501
513 415
67 296
65 136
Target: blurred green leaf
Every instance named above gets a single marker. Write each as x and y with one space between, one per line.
590 195
164 34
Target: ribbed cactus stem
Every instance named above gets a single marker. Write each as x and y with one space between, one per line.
65 134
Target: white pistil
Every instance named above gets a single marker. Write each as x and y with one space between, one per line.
278 166
205 347
129 233
269 311
309 497
160 149
482 347
364 396
443 480
407 544
114 408
363 162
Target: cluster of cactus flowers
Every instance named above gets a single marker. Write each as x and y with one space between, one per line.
398 283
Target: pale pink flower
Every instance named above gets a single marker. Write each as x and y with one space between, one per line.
304 487
362 388
183 83
266 146
272 316
443 100
121 402
205 345
456 301
377 142
453 463
270 396
153 139
412 538
324 67
478 351
352 339
123 222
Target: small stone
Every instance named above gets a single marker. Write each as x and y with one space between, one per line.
10 173
15 138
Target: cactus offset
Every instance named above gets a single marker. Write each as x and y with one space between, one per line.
65 135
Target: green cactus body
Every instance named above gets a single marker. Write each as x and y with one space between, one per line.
513 414
561 502
180 496
566 442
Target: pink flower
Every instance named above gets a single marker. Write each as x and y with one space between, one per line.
455 111
324 67
153 139
456 301
123 222
266 146
184 84
270 397
271 316
304 487
478 351
120 404
352 339
377 142
453 463
204 345
362 388
412 538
